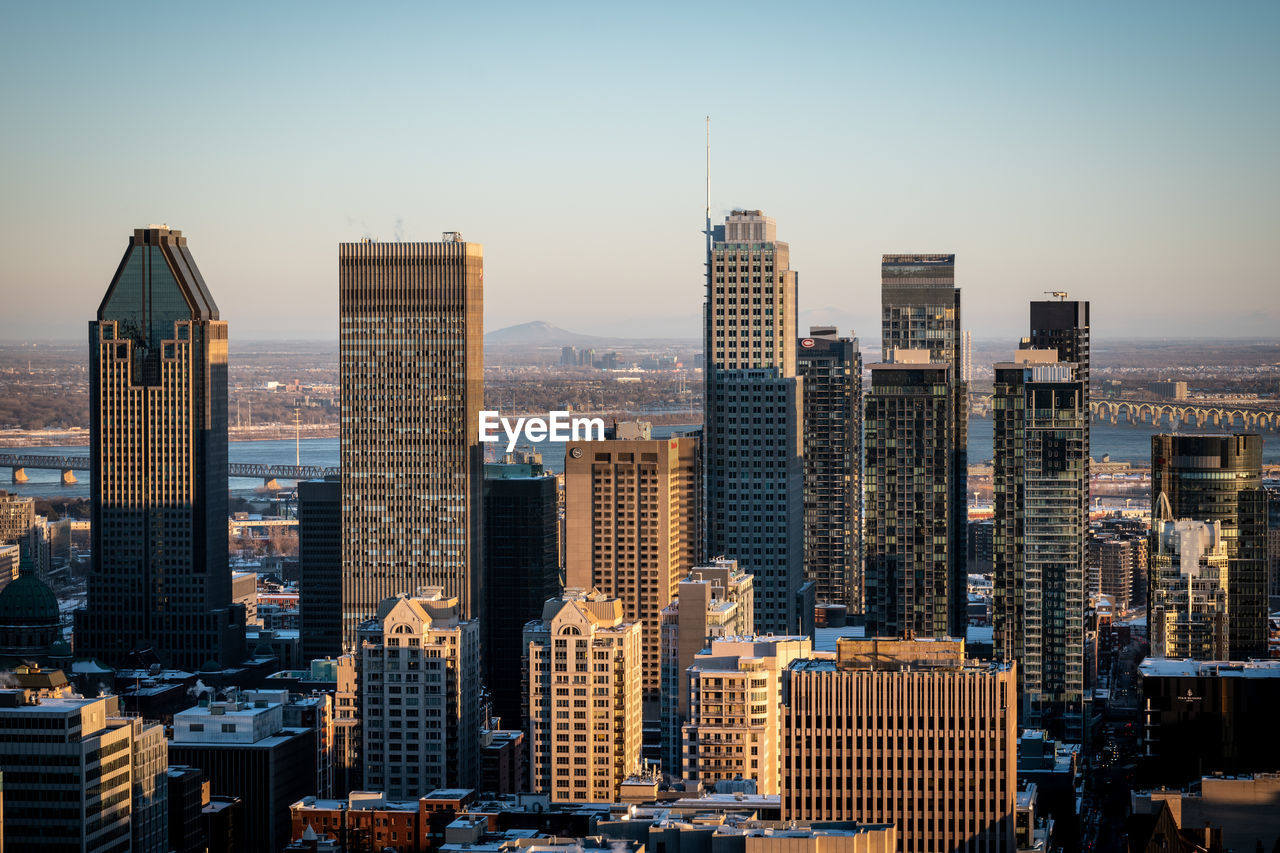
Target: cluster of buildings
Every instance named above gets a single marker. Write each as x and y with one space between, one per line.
491 659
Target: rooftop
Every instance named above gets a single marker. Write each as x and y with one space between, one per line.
1166 668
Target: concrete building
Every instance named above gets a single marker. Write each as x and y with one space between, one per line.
1219 478
1041 486
1169 389
522 569
504 768
68 771
715 600
1188 614
320 564
420 688
904 732
920 310
754 435
583 712
632 525
187 791
734 730
1242 807
369 820
248 756
158 454
831 368
412 363
1119 561
915 579
741 831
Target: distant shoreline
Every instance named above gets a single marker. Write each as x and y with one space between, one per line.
80 437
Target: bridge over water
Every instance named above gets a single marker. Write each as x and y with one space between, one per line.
69 465
1173 413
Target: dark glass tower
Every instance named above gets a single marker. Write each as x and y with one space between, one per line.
1219 478
158 449
831 367
522 568
920 311
320 559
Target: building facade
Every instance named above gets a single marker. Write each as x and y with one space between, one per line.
1041 487
1189 612
734 731
412 364
522 570
420 688
904 732
831 369
753 434
1219 478
632 524
320 562
920 310
158 454
582 677
1119 563
911 563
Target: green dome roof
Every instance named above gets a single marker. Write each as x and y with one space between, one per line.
28 601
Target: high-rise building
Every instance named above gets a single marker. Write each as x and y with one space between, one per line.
158 451
1189 613
420 686
1273 541
1041 487
522 569
904 732
753 435
920 310
1119 561
911 562
1063 325
715 600
831 367
734 730
320 563
632 524
412 364
582 680
1219 478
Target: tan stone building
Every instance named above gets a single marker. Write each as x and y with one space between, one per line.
1189 576
716 600
632 519
582 683
735 710
904 732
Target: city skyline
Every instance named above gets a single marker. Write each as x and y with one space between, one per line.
1131 153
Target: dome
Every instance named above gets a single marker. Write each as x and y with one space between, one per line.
28 601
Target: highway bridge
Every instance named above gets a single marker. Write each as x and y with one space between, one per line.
69 465
1169 413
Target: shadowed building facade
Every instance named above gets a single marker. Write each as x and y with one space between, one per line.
158 454
412 365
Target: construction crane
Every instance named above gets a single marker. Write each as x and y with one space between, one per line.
1060 295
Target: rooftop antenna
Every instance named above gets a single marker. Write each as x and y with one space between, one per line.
1059 295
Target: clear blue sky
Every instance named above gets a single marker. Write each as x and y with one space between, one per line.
1126 153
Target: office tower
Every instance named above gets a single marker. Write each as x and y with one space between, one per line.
420 686
734 730
1041 486
1119 560
158 451
1219 478
17 516
904 732
68 771
522 571
831 369
186 801
632 524
753 435
412 364
1273 541
582 683
920 310
149 822
320 563
715 600
966 357
910 555
247 753
1189 614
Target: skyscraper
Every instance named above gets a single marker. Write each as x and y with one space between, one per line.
412 364
831 367
632 518
320 562
1041 487
1219 478
920 310
158 451
754 433
911 570
1189 591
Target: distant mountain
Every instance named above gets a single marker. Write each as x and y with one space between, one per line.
540 333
